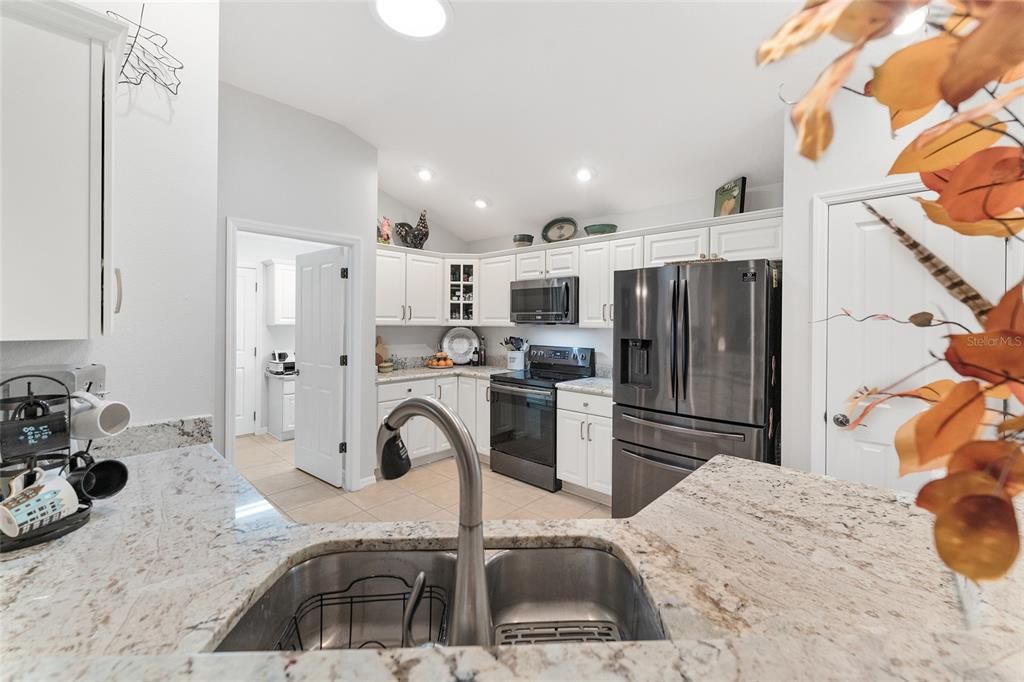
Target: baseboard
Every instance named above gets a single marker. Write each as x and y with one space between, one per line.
432 457
369 480
587 494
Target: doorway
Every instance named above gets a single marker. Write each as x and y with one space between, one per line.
287 409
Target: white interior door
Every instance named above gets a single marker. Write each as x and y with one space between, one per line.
320 347
869 272
245 351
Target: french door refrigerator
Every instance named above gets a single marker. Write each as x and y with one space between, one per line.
696 372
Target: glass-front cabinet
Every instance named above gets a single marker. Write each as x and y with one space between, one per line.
461 288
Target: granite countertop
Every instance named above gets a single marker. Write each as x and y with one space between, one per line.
758 573
590 386
428 373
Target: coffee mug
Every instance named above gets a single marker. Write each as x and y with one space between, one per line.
46 499
94 480
102 419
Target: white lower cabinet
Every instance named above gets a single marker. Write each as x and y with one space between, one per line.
483 416
447 393
584 442
467 403
281 408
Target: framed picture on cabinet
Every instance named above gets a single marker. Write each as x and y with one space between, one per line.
729 198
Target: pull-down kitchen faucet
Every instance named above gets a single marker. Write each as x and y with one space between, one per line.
471 609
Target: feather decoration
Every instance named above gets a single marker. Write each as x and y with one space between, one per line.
957 287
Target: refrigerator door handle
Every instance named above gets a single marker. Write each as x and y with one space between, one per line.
674 301
653 462
699 433
686 339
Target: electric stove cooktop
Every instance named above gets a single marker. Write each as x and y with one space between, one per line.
550 365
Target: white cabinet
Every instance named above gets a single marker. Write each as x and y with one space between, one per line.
561 261
448 393
410 288
748 240
281 406
461 289
483 416
390 287
496 275
668 247
584 441
571 446
598 263
424 278
467 403
58 65
279 282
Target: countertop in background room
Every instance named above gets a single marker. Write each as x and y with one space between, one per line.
429 373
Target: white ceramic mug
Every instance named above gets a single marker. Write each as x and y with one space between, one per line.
47 499
101 419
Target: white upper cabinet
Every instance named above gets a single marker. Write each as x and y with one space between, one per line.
563 261
496 275
595 281
669 247
59 62
748 240
461 289
279 282
532 265
390 292
424 292
626 253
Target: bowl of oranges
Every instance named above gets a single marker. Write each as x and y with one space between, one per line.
440 360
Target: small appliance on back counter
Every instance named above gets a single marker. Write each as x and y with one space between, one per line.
282 362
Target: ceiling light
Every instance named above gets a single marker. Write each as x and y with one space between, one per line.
912 21
414 18
425 175
480 203
584 175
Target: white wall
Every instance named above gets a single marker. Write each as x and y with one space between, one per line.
550 335
160 357
440 239
252 250
284 166
757 198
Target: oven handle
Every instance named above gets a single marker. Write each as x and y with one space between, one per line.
682 429
498 388
655 463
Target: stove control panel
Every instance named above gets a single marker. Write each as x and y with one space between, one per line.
562 356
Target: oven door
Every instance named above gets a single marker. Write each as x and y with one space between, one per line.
523 422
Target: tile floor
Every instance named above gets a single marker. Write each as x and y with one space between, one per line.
429 492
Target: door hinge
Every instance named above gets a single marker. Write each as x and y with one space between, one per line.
254 351
343 360
342 448
257 286
254 415
344 273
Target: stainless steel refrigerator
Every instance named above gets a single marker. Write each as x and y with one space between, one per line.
696 372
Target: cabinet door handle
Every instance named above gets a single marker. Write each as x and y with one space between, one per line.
438 389
714 255
410 312
703 256
611 312
487 394
604 312
120 290
581 430
589 424
403 311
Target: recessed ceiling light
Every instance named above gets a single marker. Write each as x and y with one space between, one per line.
480 203
425 175
414 18
912 21
584 175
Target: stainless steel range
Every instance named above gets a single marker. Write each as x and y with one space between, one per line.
523 405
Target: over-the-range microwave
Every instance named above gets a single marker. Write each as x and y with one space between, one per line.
545 301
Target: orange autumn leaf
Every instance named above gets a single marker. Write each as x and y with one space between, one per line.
937 495
909 79
932 393
979 117
1001 460
986 53
991 356
937 180
1014 74
903 117
810 116
906 448
1014 221
951 422
948 148
1012 425
977 536
868 19
1009 312
989 183
813 21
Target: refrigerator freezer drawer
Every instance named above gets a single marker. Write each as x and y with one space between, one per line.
641 475
699 439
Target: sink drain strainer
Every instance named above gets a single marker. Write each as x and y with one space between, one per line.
557 631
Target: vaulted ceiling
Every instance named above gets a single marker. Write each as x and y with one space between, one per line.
661 99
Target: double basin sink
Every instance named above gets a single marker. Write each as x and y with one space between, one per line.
358 600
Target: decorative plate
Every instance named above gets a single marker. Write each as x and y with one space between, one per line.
558 230
459 343
600 228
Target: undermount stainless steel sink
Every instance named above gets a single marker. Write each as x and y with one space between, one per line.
358 599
